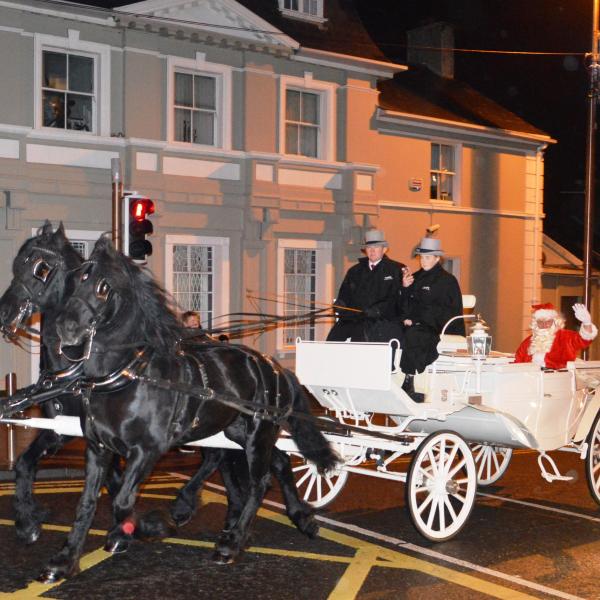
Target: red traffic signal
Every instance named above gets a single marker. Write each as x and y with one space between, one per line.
140 208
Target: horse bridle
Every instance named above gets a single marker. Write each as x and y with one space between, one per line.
46 276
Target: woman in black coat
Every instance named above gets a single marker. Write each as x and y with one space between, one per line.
431 298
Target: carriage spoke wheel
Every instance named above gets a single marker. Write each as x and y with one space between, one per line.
313 487
592 460
441 486
491 462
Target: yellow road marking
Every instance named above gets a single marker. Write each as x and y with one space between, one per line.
368 555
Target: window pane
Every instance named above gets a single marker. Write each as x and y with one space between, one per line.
183 89
309 141
447 162
433 194
299 291
291 139
435 156
310 108
445 187
292 105
81 74
205 92
53 106
183 125
204 128
79 112
54 71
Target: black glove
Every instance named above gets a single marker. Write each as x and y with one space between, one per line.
372 312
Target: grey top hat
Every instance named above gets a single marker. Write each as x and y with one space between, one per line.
375 237
430 246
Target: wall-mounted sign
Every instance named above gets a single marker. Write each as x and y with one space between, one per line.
415 184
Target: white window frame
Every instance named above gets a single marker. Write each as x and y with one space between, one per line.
224 101
456 174
326 92
300 14
101 99
75 235
221 266
324 282
456 265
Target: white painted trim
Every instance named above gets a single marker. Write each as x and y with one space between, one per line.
10 148
467 210
102 81
311 179
327 113
412 120
211 169
302 16
69 15
324 281
224 100
69 157
221 266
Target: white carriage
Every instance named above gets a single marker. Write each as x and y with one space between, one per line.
475 411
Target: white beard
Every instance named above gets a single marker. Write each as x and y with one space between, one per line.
542 339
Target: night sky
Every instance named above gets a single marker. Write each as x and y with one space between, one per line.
548 91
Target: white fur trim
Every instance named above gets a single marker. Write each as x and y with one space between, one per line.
545 313
587 335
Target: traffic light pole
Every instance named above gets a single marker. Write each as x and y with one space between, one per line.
117 194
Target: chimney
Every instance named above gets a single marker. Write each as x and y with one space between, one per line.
431 45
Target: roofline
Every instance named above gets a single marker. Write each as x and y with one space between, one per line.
133 10
391 116
63 14
359 64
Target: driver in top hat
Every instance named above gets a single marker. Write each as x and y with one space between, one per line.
371 291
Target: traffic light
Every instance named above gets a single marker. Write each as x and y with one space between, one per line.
137 209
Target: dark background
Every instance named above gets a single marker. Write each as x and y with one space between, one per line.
548 91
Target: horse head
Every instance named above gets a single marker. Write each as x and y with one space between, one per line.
116 303
41 272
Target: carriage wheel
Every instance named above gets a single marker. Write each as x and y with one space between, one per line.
313 487
592 460
441 486
491 462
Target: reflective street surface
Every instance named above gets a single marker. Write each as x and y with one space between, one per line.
525 539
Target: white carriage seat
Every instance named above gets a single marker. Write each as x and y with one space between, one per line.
450 342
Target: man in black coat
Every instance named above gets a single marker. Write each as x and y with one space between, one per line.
371 291
431 298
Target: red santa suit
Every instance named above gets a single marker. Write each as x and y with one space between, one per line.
565 347
553 347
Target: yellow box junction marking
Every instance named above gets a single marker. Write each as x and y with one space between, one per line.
367 555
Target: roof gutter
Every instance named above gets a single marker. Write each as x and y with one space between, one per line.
402 118
357 64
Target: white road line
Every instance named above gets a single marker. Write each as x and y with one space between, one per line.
561 511
420 550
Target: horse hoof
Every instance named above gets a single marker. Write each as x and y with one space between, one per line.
117 546
55 573
181 520
220 558
30 535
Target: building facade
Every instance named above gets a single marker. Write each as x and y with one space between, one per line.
270 136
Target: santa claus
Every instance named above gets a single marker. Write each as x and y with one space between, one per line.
550 345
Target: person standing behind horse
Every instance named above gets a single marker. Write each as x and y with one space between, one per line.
431 298
370 291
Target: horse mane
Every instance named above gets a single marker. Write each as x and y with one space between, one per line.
159 325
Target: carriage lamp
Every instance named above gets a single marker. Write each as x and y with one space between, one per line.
479 341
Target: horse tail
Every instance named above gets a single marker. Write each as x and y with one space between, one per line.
308 437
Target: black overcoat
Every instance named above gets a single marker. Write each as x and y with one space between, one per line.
430 302
376 293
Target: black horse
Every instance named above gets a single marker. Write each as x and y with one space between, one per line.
41 281
135 406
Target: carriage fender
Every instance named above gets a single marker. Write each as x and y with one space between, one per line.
587 420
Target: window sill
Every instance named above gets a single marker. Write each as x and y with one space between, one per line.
300 16
443 203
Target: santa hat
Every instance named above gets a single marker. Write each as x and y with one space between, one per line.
544 311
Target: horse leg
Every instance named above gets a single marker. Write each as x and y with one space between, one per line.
234 471
140 463
28 515
66 562
300 513
186 503
258 445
